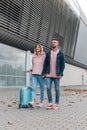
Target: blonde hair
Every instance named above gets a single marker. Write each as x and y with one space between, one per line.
41 48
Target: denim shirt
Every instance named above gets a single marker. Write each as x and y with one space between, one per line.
60 64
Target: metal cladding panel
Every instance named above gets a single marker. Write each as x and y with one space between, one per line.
17 41
25 22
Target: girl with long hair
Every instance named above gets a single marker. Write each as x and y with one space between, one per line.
37 67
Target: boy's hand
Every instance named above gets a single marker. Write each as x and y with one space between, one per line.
44 76
59 77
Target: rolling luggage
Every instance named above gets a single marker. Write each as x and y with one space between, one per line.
25 93
24 97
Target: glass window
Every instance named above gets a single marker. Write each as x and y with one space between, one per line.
3 81
11 81
12 64
2 68
20 69
20 81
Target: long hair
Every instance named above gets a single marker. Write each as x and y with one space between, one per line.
41 48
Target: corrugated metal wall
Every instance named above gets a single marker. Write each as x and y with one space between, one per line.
25 22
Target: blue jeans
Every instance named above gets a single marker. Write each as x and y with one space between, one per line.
37 79
57 89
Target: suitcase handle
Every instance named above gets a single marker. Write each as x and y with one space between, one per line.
20 96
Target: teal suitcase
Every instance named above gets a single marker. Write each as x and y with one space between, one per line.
24 97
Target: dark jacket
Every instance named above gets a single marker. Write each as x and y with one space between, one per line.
60 64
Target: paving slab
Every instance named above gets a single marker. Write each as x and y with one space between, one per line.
71 115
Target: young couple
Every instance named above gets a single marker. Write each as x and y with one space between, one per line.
50 66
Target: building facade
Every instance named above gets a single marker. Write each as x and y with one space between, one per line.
25 22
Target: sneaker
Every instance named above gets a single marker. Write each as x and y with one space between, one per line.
40 105
50 106
55 107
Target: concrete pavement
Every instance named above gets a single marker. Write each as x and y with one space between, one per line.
71 115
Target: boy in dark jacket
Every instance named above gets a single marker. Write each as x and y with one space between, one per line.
53 70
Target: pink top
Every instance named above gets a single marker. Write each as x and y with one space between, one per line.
37 64
53 64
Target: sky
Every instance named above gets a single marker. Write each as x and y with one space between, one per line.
83 5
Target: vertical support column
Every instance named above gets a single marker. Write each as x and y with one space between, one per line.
82 79
28 66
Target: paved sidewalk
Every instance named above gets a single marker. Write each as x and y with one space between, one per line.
71 115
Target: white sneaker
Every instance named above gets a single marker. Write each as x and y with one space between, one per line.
40 105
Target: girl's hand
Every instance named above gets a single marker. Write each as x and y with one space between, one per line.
30 70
